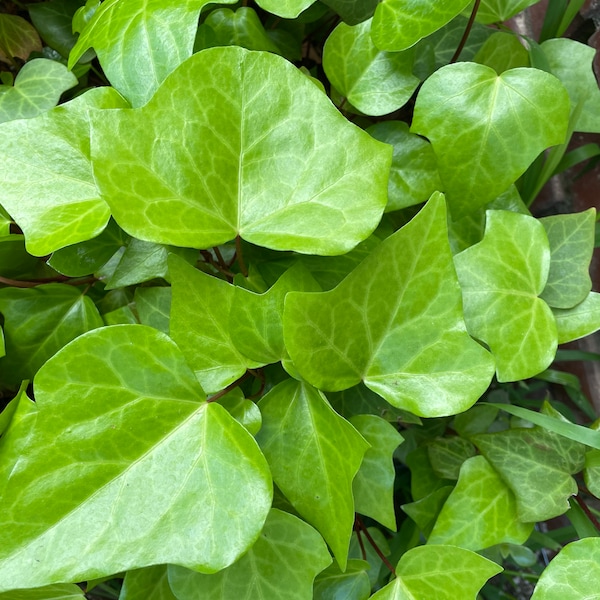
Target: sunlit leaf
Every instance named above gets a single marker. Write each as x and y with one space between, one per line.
59 591
579 321
288 9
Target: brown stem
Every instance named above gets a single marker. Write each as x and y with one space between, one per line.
363 552
468 28
588 512
230 387
240 256
258 373
373 543
18 283
207 256
220 258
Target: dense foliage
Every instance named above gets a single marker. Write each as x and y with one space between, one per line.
276 313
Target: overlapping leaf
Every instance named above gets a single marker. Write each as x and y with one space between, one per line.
395 323
150 583
353 12
314 454
501 278
281 564
579 321
247 118
486 129
60 591
288 9
122 430
495 11
154 306
18 38
503 51
351 584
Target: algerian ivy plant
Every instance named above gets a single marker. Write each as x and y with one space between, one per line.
276 302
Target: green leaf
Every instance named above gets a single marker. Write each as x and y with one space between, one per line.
51 193
537 465
579 321
151 583
424 512
447 455
281 564
480 512
153 42
154 307
18 38
495 11
372 557
228 180
395 323
486 129
571 240
502 51
351 584
373 486
299 424
375 82
353 12
242 410
123 430
400 24
501 279
574 573
287 9
200 311
440 572
9 410
572 62
591 473
38 87
60 591
38 322
424 479
414 175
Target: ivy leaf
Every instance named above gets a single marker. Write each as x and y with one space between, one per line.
440 572
395 323
242 410
351 584
496 11
373 486
353 12
299 422
398 24
571 239
153 41
501 279
38 322
154 307
38 87
60 591
123 428
235 107
486 129
579 321
480 512
424 512
573 573
18 38
51 193
281 564
502 51
150 583
447 455
287 9
374 81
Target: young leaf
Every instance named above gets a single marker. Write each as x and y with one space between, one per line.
486 129
299 424
501 279
122 430
395 323
496 11
18 38
480 512
223 178
60 591
150 583
281 564
37 88
579 321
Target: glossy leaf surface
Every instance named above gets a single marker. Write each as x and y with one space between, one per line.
403 335
288 9
299 422
579 321
235 106
125 430
486 129
281 564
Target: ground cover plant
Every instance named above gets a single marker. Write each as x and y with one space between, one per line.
277 319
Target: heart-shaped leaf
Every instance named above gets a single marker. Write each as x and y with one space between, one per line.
486 129
121 430
244 165
395 323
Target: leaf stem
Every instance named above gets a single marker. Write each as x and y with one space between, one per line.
468 28
258 373
373 543
208 258
588 513
363 551
18 283
230 387
240 256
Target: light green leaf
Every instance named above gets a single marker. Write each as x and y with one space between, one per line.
447 455
352 584
375 82
38 87
242 410
51 193
235 107
60 591
501 279
353 12
400 24
537 466
151 583
591 474
396 323
496 11
154 306
299 424
200 310
38 322
571 62
440 572
480 512
123 315
424 512
281 564
574 573
502 51
123 430
9 410
373 486
287 9
486 129
414 175
18 38
579 321
571 240
154 38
